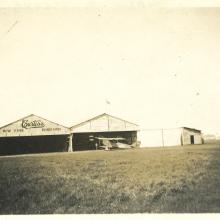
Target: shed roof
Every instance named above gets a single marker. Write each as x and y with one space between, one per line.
192 129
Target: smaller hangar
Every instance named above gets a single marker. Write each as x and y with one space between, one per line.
170 137
103 126
34 134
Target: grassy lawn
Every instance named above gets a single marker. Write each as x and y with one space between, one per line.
158 180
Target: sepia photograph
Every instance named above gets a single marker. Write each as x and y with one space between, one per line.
109 107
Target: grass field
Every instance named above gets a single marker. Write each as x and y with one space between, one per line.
158 180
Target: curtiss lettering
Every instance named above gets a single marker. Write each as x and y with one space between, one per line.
32 124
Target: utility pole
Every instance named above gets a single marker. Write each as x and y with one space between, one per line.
162 137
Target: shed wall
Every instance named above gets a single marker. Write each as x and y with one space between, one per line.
186 137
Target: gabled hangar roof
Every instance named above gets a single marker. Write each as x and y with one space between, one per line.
104 123
32 125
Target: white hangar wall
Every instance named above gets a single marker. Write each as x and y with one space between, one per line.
150 138
160 137
169 137
172 137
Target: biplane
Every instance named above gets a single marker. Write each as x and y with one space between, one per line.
111 143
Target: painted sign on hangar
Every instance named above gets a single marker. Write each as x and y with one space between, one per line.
32 125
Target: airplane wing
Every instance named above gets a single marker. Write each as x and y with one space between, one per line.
108 143
110 139
123 146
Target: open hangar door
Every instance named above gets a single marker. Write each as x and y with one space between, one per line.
33 144
88 141
33 134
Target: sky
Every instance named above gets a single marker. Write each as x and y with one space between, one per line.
158 67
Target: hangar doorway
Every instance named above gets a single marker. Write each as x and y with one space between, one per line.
87 141
33 144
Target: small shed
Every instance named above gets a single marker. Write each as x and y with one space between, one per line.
102 126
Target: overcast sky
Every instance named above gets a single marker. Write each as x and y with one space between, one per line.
157 67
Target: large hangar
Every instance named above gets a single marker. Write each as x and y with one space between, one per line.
170 137
104 126
34 134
